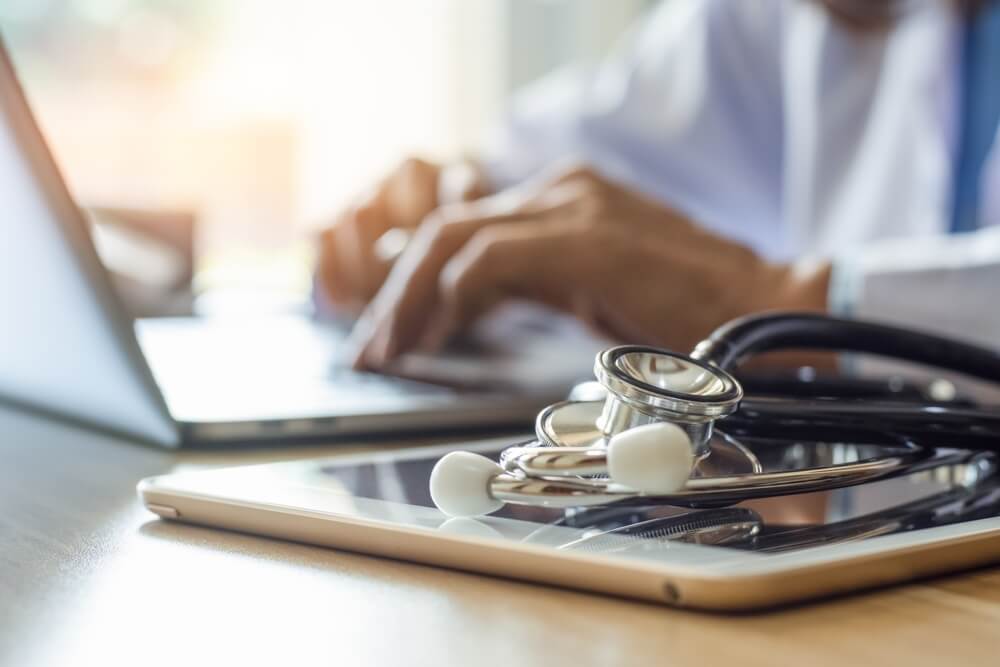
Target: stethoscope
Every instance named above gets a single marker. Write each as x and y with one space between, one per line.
654 437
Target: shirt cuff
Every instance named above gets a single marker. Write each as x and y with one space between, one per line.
846 283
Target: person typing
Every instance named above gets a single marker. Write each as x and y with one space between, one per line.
732 157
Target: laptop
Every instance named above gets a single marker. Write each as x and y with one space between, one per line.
67 345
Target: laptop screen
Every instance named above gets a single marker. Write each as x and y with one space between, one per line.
66 344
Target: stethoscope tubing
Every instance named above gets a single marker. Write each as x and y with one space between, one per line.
970 428
732 344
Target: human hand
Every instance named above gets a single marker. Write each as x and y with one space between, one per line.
351 268
627 266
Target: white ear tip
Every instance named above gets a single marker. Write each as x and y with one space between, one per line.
654 458
460 484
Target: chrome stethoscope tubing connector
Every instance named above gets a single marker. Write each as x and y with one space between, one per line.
647 385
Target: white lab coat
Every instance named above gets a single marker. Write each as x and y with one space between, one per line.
773 124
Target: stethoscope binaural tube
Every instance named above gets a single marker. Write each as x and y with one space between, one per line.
656 419
732 344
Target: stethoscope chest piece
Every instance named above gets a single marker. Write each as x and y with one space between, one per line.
644 385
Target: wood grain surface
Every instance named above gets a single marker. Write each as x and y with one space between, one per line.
88 577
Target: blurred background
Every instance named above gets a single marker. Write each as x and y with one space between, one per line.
243 125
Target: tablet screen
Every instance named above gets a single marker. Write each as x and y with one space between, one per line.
962 490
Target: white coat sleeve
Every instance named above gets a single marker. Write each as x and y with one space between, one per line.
948 284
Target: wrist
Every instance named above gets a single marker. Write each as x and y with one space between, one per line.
801 286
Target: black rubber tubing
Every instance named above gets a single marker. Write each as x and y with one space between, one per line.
734 343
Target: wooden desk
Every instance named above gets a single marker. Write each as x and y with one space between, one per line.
87 577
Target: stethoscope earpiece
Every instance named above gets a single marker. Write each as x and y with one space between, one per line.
654 459
460 484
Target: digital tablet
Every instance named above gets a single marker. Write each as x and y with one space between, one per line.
752 555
